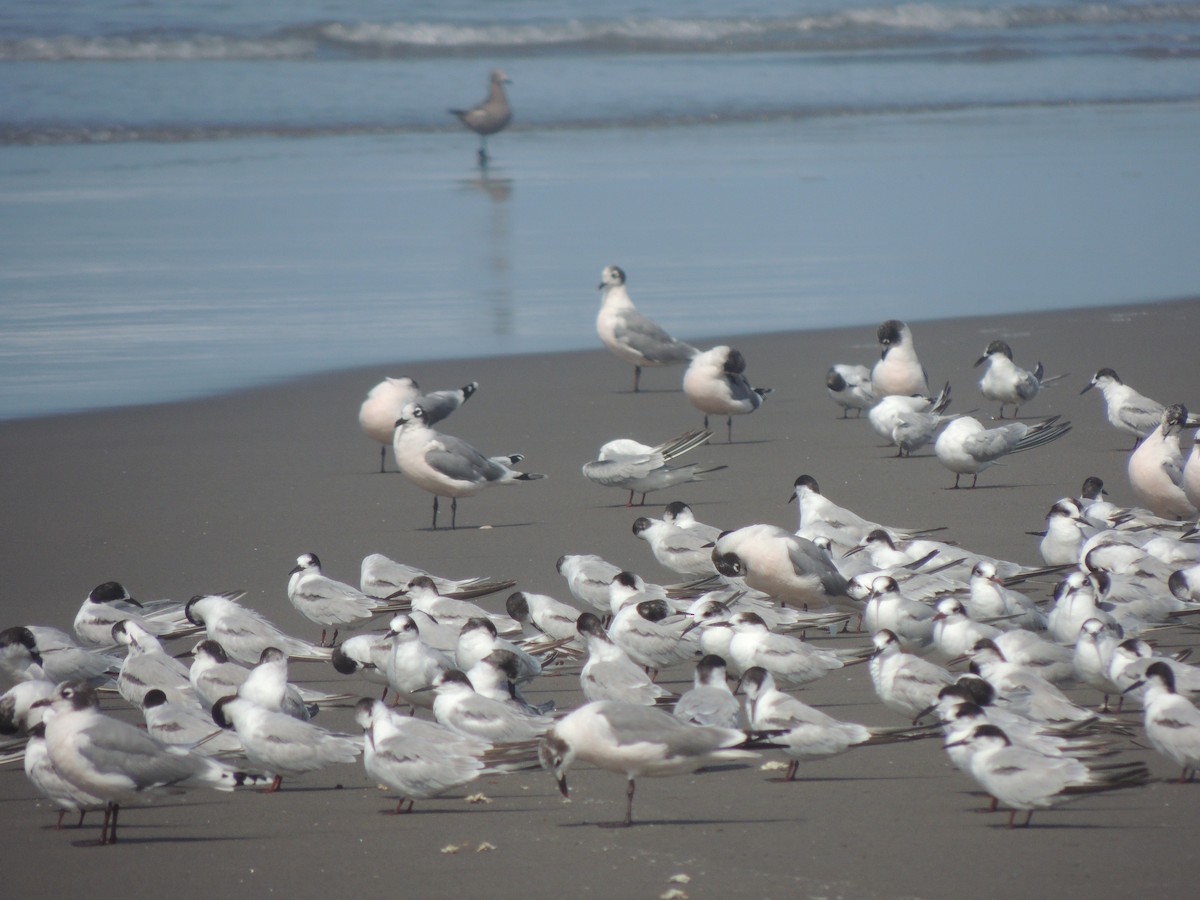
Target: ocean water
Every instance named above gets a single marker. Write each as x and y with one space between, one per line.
200 195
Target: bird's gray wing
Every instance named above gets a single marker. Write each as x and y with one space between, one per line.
985 446
455 458
117 749
616 472
649 339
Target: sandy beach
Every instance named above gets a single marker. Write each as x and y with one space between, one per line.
224 493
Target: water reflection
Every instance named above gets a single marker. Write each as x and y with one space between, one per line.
496 265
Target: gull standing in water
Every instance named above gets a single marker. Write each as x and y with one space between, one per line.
448 466
631 336
635 741
715 382
639 468
490 116
898 371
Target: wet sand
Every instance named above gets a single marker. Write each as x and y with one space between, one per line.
224 493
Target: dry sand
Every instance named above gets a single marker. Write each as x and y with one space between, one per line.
224 493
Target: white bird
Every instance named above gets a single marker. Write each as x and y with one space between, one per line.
636 742
267 685
478 637
966 447
821 517
631 466
716 384
490 116
685 551
609 673
280 744
382 577
1185 583
904 683
1172 721
244 633
954 632
1066 531
320 599
1131 658
110 603
849 386
367 654
898 371
588 579
1127 410
553 618
791 661
115 761
791 569
450 612
447 466
1007 383
990 598
1026 780
415 758
808 733
1038 698
460 708
652 636
710 701
1093 654
1155 468
39 651
889 610
186 725
413 664
147 666
386 401
628 334
909 421
1191 473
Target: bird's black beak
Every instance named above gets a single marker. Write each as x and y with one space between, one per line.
562 786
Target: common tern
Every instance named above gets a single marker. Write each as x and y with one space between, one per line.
1126 409
910 421
110 603
1172 721
460 708
609 673
280 744
904 683
635 741
629 465
244 633
791 661
849 386
1007 383
447 466
39 651
685 551
382 577
588 579
630 335
966 447
147 666
325 601
710 701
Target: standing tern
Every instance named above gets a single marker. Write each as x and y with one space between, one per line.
243 633
808 733
716 384
280 744
630 335
850 388
636 741
1027 780
609 673
415 758
1007 383
1126 409
966 447
710 701
447 466
1172 721
626 464
464 711
909 421
320 599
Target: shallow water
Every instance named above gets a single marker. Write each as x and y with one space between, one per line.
200 196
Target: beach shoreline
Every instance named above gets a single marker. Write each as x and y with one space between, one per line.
224 492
